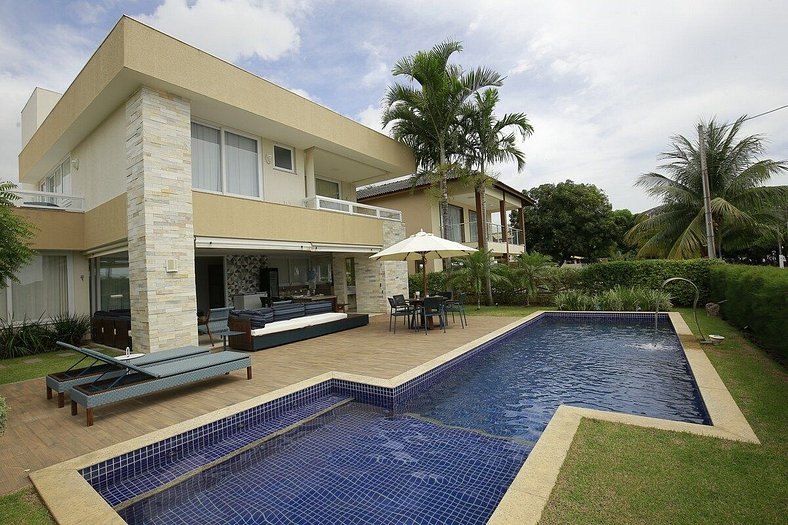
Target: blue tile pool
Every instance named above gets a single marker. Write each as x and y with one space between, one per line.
442 448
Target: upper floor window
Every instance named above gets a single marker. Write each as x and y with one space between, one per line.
58 180
283 158
327 188
225 161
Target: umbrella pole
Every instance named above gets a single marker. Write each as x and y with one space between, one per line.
424 272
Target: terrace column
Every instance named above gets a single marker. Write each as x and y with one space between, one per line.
160 230
309 172
377 280
522 225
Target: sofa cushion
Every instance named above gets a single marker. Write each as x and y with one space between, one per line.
300 322
257 318
283 312
317 307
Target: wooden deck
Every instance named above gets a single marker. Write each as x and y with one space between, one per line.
39 434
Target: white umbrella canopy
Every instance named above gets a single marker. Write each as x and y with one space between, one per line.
420 247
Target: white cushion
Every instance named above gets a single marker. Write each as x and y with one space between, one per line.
298 322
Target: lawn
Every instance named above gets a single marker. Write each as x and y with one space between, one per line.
625 475
39 365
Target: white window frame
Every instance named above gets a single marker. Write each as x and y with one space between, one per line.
292 157
338 183
222 157
42 184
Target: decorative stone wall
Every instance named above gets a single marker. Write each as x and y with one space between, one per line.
159 198
243 274
378 280
340 283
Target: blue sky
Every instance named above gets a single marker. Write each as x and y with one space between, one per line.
605 84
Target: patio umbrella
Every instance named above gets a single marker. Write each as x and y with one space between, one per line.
420 247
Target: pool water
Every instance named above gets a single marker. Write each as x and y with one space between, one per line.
451 453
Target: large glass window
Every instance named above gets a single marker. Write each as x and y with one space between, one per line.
241 164
224 161
283 158
42 290
473 226
113 285
206 158
455 224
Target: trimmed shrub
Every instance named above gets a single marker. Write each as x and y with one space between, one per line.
3 415
756 299
598 277
436 282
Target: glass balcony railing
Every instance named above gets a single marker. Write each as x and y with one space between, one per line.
49 200
467 232
352 208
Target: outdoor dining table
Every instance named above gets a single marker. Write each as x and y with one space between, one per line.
416 303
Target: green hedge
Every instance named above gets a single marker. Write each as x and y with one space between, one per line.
436 282
598 277
756 298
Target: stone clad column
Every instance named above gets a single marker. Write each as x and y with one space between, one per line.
378 280
159 201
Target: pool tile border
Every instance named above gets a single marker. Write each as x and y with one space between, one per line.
71 499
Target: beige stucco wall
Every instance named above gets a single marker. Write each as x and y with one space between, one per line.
239 218
102 162
55 229
81 284
106 223
280 186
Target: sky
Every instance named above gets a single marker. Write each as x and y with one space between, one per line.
605 84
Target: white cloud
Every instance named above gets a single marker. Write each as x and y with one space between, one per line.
230 29
370 117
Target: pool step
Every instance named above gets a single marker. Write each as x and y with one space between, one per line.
172 470
524 442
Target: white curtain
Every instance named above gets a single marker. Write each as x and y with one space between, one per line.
241 165
42 289
206 158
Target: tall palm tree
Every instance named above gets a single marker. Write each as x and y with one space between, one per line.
740 203
488 140
426 117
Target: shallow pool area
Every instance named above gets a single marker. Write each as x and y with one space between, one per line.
450 441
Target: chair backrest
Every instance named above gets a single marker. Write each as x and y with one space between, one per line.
399 300
432 304
392 303
460 297
447 295
217 318
105 358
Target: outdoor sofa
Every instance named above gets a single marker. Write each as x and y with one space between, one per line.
138 381
61 382
286 323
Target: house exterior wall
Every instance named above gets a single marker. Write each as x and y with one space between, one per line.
378 280
102 162
163 304
36 110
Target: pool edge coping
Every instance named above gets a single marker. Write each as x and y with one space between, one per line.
71 499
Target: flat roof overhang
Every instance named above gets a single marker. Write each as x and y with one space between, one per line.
135 55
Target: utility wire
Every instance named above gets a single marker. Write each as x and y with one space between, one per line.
765 113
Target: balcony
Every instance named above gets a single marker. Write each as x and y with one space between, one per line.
466 233
49 200
352 208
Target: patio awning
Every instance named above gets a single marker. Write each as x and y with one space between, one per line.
223 243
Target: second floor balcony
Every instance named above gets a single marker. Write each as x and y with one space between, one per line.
500 239
352 208
49 200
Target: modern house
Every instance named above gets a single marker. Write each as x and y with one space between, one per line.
164 179
421 211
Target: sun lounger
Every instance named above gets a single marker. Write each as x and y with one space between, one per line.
60 382
139 381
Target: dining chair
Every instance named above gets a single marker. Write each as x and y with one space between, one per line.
431 307
398 310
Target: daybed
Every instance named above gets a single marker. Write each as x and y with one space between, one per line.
288 322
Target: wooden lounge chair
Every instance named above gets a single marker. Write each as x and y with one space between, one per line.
139 381
60 382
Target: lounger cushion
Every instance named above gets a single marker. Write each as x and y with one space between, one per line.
258 318
300 322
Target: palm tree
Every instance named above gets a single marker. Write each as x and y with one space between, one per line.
740 203
472 271
530 272
426 117
487 141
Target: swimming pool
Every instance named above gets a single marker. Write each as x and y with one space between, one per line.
445 447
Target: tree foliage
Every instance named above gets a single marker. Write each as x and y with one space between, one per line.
569 219
427 116
742 207
15 236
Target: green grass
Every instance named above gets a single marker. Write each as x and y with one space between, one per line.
39 365
620 474
504 311
24 508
